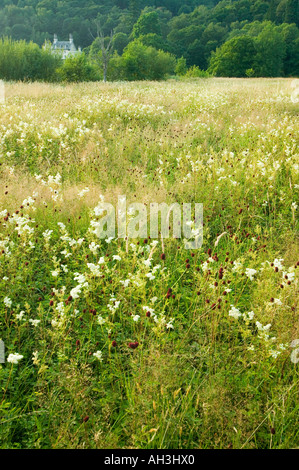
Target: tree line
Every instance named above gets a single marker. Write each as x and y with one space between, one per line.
150 39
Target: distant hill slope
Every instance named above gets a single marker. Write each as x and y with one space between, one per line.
39 20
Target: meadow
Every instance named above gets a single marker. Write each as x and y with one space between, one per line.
142 344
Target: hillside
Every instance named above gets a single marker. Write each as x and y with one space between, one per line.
191 28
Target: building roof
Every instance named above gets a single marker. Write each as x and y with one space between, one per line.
62 45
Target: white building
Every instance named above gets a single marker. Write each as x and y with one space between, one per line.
65 48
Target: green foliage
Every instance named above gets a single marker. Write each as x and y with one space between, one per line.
270 52
26 61
154 40
120 41
196 72
116 69
77 69
290 34
181 67
192 29
146 23
140 62
249 73
233 58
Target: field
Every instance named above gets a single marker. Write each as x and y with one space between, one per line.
141 343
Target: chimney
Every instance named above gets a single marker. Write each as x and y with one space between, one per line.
71 39
55 39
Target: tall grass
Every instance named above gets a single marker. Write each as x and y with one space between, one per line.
214 366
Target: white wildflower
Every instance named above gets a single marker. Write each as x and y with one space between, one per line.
250 273
7 302
98 355
19 316
136 318
14 358
234 312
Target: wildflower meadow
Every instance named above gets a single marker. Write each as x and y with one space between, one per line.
126 342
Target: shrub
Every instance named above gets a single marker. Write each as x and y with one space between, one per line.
20 60
77 69
195 71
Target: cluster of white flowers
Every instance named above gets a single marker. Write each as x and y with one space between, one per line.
20 315
234 312
35 358
22 224
34 322
53 183
151 274
148 309
237 266
83 192
14 358
7 302
98 355
278 263
263 329
263 332
30 201
113 304
101 320
136 318
93 247
47 235
250 273
82 284
95 269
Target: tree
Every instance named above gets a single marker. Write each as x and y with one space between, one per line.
26 61
233 58
290 34
140 62
270 52
147 23
154 40
288 11
181 67
196 72
120 41
77 69
101 49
